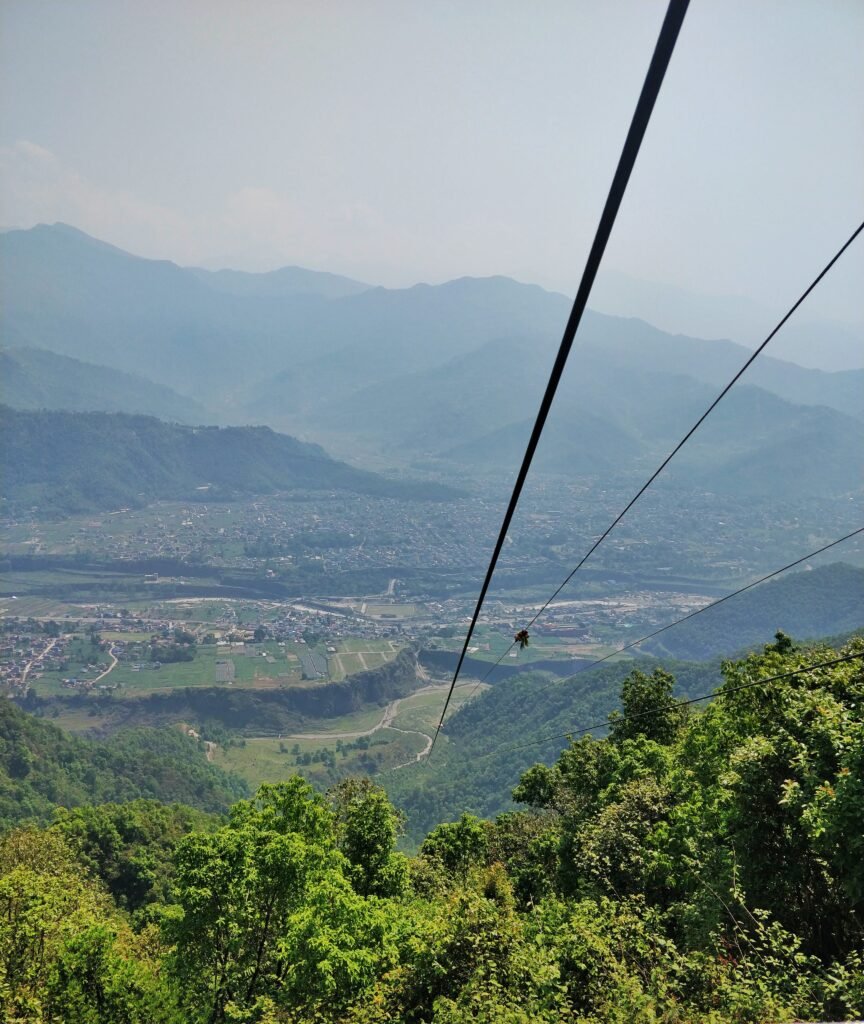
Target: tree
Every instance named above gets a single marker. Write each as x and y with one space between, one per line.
129 846
266 909
367 826
457 845
66 956
649 709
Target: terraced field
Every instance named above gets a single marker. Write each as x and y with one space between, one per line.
354 656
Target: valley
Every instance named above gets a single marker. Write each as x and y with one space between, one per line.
182 548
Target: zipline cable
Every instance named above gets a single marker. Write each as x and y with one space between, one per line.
685 703
684 618
662 465
660 59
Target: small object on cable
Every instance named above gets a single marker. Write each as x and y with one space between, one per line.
522 639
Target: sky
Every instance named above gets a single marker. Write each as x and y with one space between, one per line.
409 141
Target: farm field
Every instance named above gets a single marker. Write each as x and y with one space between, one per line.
355 655
258 666
80 721
388 611
265 665
29 604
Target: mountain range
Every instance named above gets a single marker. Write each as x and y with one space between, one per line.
446 377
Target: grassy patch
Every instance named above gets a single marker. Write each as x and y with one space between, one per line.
271 759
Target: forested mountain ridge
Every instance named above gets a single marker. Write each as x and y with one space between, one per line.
68 462
476 411
282 282
695 866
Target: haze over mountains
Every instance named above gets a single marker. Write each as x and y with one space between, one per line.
841 346
443 377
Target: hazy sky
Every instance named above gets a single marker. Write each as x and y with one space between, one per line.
407 141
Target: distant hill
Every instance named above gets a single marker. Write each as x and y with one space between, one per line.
477 411
635 344
69 293
67 462
673 308
826 600
32 378
284 281
42 767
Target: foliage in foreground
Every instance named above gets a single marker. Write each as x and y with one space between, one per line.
689 867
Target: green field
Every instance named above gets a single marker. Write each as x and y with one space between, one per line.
258 666
255 665
269 760
79 720
359 655
490 645
26 605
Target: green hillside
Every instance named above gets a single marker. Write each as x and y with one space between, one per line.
485 750
827 599
69 462
42 767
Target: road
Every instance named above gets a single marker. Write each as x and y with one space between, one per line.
386 719
29 665
386 722
416 757
209 745
110 668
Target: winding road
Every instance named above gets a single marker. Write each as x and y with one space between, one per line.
386 722
386 719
